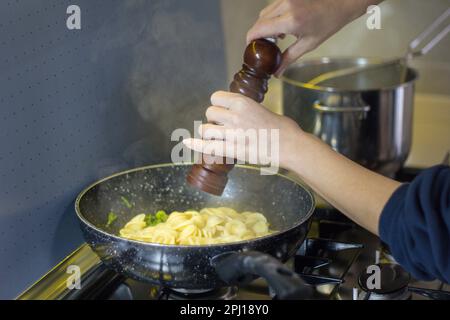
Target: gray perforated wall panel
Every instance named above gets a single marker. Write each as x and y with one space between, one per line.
76 105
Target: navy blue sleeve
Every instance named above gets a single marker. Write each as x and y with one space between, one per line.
415 224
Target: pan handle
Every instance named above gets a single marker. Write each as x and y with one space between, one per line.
240 267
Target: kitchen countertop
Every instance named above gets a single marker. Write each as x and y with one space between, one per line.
431 125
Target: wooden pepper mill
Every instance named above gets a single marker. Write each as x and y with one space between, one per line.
262 58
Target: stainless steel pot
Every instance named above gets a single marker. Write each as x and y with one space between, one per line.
366 116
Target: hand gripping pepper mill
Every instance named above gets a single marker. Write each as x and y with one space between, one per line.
262 58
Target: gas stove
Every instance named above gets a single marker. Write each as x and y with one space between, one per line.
333 260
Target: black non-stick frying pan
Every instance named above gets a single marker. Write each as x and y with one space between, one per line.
286 204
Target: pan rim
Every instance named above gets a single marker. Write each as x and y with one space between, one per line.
80 216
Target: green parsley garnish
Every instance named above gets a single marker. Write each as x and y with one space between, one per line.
111 218
154 219
126 202
161 215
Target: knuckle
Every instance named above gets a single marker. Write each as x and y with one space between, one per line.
235 119
202 129
241 103
208 133
217 94
209 112
214 96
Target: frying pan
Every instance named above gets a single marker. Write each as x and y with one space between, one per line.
287 205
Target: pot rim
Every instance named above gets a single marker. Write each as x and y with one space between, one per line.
326 60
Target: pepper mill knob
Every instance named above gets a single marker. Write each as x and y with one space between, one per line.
262 58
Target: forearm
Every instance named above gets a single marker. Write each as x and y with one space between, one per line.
359 193
356 191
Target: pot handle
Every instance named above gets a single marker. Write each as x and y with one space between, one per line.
322 108
240 267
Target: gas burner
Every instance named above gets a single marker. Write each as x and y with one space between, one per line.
329 262
323 261
393 284
224 293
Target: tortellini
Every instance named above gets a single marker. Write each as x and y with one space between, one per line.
209 226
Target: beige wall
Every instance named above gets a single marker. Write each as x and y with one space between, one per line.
237 17
401 21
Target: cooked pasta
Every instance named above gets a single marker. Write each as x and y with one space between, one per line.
209 226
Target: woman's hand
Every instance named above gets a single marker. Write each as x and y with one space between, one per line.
311 22
359 193
232 118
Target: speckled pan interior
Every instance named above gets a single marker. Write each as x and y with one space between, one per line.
284 202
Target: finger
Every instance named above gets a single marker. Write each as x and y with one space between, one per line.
269 8
218 115
210 131
211 147
217 149
221 98
230 100
205 158
271 27
291 54
273 10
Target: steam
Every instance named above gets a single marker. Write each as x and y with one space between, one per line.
175 62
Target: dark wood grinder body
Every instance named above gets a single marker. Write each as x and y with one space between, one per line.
262 58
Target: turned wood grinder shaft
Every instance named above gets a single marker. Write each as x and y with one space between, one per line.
262 58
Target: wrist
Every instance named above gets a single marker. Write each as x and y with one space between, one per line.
292 158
